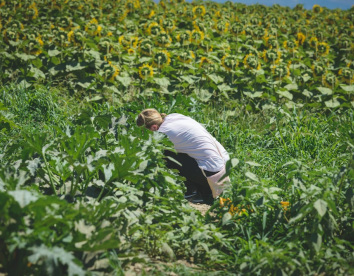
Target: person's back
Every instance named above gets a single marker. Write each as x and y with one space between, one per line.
189 136
199 156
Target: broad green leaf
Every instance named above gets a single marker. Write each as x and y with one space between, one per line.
94 99
74 66
84 84
23 197
94 54
25 84
167 251
291 86
203 95
126 81
215 78
252 176
108 169
53 53
316 241
253 163
37 73
234 162
7 55
347 88
321 207
296 218
32 165
188 79
145 59
253 95
285 94
162 81
307 93
25 57
53 256
333 103
325 90
224 87
226 218
83 228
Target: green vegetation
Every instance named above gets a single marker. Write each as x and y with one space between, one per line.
83 190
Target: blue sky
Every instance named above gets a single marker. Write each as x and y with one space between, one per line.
308 4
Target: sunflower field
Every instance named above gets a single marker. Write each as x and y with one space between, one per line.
84 191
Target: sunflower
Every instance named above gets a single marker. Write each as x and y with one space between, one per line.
329 79
125 42
205 62
272 55
65 23
347 75
318 69
146 47
162 59
146 71
133 41
255 20
197 36
119 14
163 40
185 37
186 56
181 10
291 45
130 26
148 13
281 71
222 26
105 44
132 5
285 205
317 9
168 24
131 52
60 37
154 28
76 36
319 34
233 210
10 35
189 14
301 38
332 30
344 42
272 42
198 11
313 42
34 46
92 28
199 25
110 71
229 62
206 45
14 25
237 28
323 48
32 11
260 32
251 62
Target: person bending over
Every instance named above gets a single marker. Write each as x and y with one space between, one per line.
198 152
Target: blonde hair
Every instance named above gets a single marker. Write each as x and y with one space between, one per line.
149 117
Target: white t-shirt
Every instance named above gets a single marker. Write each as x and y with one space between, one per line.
190 137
